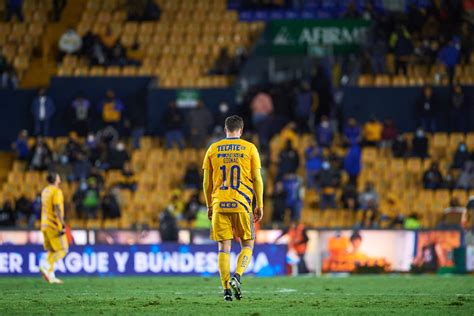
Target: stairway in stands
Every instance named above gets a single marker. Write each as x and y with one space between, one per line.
43 67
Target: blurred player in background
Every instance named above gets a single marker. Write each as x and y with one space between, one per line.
231 178
52 226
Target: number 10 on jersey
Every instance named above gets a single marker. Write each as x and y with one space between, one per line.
234 176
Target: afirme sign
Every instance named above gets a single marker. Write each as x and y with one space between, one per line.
163 259
297 37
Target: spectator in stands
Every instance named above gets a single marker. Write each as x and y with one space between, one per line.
223 64
8 78
58 6
143 10
192 208
92 149
97 53
400 146
110 204
24 211
117 156
324 132
451 218
352 132
288 160
279 197
427 109
129 179
449 55
467 42
432 178
168 225
461 156
96 176
352 163
420 144
369 198
313 164
329 180
118 55
192 178
70 43
450 179
288 133
349 197
262 107
412 221
7 215
111 110
401 45
43 109
372 132
71 150
459 111
20 146
81 114
292 185
466 179
78 200
106 137
303 110
13 8
40 156
174 126
200 121
391 212
91 199
81 167
389 133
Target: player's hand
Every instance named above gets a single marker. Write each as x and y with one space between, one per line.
209 213
258 214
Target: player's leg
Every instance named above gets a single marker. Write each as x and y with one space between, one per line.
221 231
223 262
60 246
244 227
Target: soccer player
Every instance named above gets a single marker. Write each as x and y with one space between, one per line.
231 179
52 226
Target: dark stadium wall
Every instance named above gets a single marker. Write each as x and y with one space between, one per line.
158 99
15 105
399 104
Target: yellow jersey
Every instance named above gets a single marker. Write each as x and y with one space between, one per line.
231 162
51 196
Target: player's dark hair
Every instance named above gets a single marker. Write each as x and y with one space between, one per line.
51 177
356 235
233 123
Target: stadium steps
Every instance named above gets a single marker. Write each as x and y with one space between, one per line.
43 67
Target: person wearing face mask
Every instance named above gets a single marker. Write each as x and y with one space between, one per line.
329 180
324 133
427 110
420 144
117 156
461 156
43 109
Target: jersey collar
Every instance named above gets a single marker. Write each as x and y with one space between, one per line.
232 138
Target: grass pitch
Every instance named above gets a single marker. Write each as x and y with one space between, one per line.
407 295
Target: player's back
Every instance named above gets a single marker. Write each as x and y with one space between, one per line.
232 161
51 196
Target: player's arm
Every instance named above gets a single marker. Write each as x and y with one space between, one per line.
207 188
58 201
207 183
257 184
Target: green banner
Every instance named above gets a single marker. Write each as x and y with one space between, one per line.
187 98
307 37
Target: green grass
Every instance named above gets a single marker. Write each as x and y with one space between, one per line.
407 295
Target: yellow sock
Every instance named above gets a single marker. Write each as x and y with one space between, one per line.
223 261
53 257
50 260
243 260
